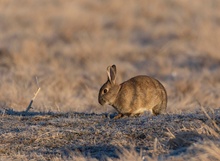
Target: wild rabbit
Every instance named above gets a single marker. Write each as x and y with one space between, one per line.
134 96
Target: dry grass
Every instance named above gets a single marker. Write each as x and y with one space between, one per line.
75 136
67 45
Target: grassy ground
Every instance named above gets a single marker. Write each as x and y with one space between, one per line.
73 136
67 46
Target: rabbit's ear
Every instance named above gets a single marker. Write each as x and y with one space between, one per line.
111 72
114 68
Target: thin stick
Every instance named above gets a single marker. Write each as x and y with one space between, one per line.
35 95
32 100
155 145
172 135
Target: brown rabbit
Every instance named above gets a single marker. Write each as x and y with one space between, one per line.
134 96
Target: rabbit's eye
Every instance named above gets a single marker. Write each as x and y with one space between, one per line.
105 90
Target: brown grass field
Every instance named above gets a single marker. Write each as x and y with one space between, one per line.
64 47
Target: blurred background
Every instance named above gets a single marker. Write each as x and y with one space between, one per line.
67 45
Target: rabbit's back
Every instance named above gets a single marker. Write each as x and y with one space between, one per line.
139 94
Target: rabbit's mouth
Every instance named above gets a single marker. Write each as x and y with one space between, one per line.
102 101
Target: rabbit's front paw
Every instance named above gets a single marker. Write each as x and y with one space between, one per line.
118 116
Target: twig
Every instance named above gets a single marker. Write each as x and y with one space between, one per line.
32 100
172 135
155 146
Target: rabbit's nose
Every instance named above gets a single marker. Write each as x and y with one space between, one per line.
101 101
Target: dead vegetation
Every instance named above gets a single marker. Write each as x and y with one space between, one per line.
68 44
57 136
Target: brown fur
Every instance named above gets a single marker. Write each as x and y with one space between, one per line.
134 96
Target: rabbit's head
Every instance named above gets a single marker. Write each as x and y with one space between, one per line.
108 92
